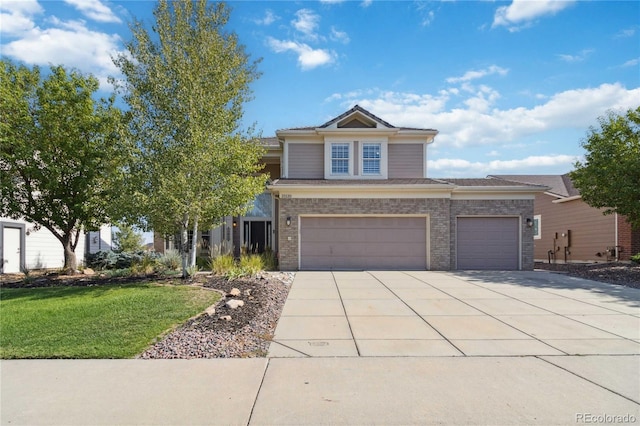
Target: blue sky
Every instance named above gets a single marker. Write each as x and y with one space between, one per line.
511 86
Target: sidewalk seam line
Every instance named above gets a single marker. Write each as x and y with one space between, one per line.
489 315
417 314
588 380
346 317
255 401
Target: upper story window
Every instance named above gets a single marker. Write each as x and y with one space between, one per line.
340 158
371 155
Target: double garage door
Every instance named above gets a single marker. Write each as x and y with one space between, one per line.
363 243
401 243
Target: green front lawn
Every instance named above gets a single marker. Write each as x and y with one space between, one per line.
108 321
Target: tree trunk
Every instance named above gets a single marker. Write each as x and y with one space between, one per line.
194 243
70 260
184 242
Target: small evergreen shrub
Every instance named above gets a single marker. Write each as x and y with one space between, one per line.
636 258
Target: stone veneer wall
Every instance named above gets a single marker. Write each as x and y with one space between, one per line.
436 208
442 220
522 208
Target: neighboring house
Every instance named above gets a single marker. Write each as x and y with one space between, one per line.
22 246
101 240
354 194
568 230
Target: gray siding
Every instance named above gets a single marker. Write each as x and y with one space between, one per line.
306 161
406 161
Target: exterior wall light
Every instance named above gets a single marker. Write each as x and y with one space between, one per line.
529 222
288 220
235 223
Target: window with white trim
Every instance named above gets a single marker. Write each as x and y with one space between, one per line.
340 158
371 155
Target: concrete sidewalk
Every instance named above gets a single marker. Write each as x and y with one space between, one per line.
377 348
312 391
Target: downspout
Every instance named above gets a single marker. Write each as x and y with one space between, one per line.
615 215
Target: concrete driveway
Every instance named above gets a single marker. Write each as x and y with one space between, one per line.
355 348
422 313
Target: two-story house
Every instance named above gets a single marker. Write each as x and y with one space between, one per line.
353 193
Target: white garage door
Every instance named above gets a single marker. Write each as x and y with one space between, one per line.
363 243
488 243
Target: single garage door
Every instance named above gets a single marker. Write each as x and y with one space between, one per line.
488 243
363 243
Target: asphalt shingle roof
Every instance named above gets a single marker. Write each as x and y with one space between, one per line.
560 185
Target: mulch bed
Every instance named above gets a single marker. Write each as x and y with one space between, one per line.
620 273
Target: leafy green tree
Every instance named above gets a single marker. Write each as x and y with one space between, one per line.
59 152
610 175
127 239
186 83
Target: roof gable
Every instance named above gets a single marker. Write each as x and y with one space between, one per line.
357 117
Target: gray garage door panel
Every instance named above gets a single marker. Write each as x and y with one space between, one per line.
489 243
363 243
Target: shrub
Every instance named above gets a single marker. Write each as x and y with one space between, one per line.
111 260
636 258
269 260
203 263
146 266
222 264
192 270
251 264
171 260
101 260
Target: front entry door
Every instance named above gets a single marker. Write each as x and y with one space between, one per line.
11 250
256 235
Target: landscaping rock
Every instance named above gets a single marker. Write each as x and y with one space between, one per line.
237 333
88 271
211 310
234 292
234 303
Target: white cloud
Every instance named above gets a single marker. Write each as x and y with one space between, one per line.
476 74
94 9
16 17
628 32
576 58
339 36
453 167
631 63
366 3
477 124
521 13
307 22
26 7
268 19
308 58
71 41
